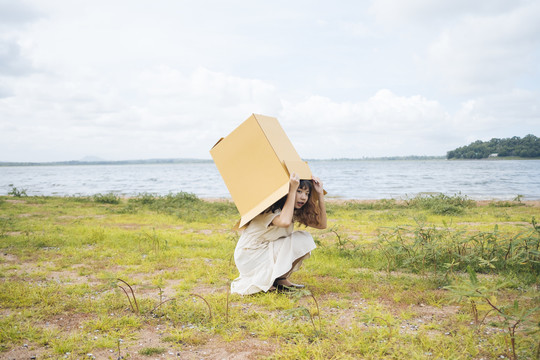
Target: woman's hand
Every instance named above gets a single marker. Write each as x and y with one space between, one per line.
294 182
317 185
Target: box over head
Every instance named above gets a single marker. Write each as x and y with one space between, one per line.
255 161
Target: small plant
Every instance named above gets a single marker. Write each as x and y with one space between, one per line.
155 241
442 204
17 192
109 198
304 311
5 224
511 315
151 351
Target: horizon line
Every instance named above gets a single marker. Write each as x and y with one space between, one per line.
185 160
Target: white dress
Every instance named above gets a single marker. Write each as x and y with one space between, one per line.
265 252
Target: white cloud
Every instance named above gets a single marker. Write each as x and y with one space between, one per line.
384 124
389 125
487 53
164 107
397 13
16 12
167 80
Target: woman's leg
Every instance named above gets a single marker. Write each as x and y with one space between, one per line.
284 279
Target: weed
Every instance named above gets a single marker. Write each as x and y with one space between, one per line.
441 204
17 192
304 311
155 241
109 198
189 336
185 206
428 246
511 314
149 351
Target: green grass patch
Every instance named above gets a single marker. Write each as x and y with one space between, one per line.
148 275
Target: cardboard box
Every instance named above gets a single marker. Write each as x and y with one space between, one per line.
255 161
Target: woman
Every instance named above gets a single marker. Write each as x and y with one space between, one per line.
268 250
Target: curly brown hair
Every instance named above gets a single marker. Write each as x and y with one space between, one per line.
309 213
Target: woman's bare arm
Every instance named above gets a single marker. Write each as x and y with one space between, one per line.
285 218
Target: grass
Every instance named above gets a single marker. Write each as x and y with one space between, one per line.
424 278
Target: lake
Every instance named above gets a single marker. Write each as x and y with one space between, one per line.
343 179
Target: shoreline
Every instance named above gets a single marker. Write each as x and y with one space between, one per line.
332 201
532 203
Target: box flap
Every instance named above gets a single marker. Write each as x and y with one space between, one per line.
276 136
217 142
301 169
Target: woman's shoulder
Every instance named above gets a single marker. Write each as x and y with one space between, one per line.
265 218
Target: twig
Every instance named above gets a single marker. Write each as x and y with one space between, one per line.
387 324
132 293
207 304
318 311
161 303
227 309
129 299
311 318
485 316
119 356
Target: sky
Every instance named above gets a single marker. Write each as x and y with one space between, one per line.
141 79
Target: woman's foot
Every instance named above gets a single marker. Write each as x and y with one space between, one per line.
285 283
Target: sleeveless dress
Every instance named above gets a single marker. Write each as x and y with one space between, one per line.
265 252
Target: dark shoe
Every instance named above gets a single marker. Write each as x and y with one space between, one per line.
283 288
288 288
297 286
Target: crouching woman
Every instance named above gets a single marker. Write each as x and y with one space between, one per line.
268 250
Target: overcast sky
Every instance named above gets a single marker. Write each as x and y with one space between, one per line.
134 79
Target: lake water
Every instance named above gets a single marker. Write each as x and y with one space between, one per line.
343 179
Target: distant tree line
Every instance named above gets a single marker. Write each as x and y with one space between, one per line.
105 162
528 147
